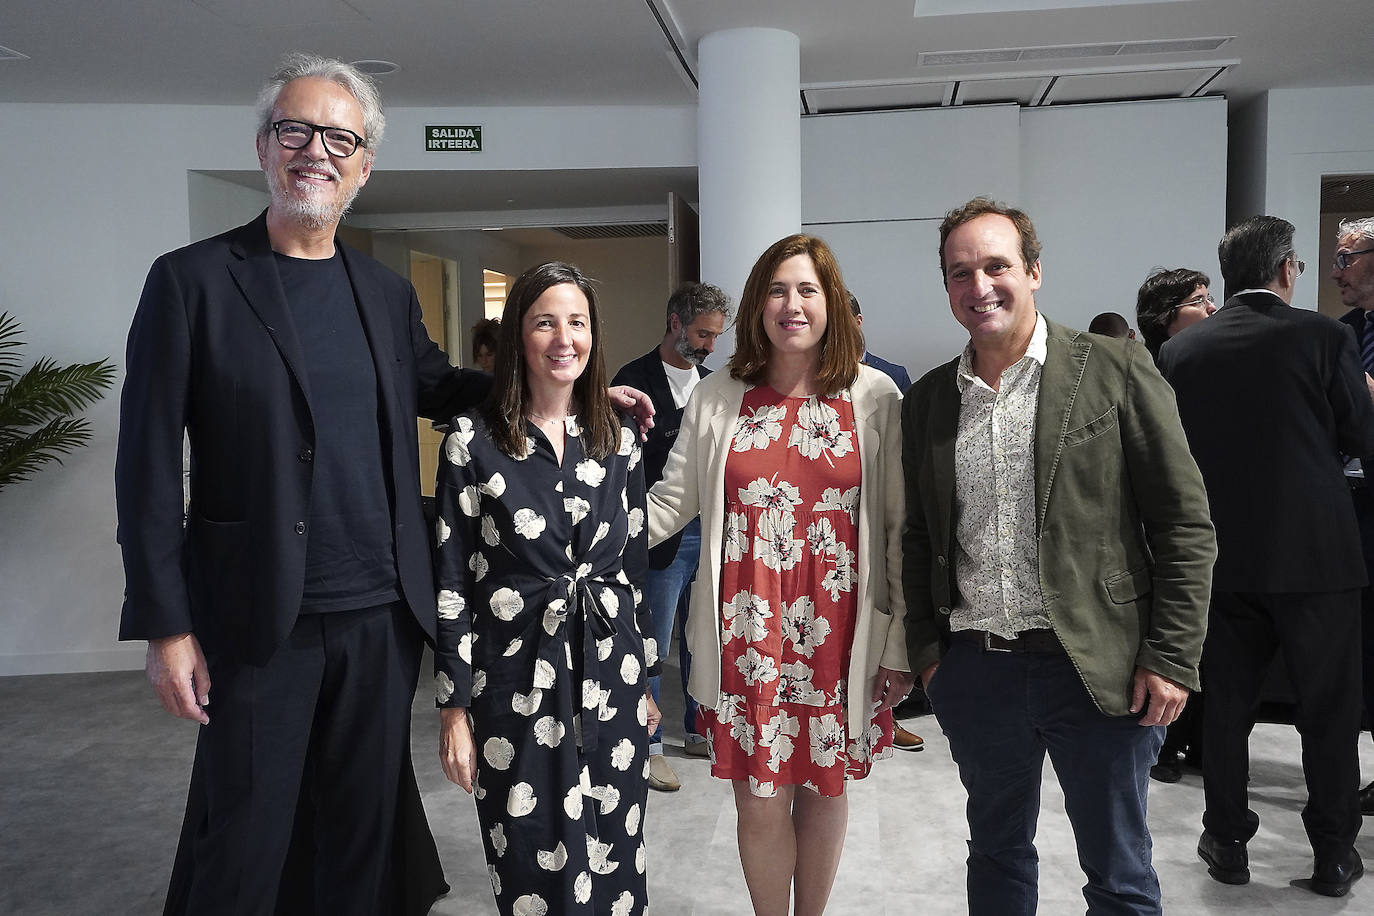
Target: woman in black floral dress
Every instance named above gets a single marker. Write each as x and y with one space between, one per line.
540 669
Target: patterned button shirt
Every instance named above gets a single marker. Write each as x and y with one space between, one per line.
996 553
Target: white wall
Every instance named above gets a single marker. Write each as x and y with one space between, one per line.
1114 190
1117 190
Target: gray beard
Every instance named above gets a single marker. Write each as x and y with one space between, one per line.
683 346
309 211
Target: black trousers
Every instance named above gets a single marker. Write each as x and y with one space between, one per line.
303 796
1363 498
1319 635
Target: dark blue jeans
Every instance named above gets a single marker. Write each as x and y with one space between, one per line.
667 587
1002 712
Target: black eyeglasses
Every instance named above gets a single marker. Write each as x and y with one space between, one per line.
1343 257
338 141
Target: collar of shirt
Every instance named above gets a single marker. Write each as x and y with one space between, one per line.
1036 350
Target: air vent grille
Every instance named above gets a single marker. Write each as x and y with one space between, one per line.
625 231
1348 194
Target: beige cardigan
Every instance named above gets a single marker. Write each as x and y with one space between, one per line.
694 483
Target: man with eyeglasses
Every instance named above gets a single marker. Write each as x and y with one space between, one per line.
287 613
1352 269
1269 395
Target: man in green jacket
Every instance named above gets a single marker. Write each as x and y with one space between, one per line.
1057 562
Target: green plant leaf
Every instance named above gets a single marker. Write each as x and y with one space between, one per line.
20 458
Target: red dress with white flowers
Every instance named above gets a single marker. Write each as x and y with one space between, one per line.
789 596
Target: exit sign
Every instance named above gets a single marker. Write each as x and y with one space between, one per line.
462 139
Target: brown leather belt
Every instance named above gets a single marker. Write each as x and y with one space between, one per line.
1038 642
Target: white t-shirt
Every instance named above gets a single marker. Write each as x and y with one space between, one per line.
681 381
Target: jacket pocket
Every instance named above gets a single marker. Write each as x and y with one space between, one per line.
1092 429
1130 586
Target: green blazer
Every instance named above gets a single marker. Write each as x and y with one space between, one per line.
1126 540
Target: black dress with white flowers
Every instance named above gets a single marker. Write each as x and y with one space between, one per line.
540 572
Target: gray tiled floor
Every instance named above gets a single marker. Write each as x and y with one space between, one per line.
93 776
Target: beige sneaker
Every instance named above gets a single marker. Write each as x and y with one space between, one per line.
661 775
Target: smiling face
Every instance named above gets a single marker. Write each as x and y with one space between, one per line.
991 290
794 316
1356 282
1193 312
556 334
309 186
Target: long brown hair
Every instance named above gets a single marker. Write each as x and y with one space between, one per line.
505 406
842 344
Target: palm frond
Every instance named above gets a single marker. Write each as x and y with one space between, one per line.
38 406
48 391
21 457
9 346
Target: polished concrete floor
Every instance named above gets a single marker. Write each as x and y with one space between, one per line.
93 777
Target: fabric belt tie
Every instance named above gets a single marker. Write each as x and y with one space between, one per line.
573 593
1027 642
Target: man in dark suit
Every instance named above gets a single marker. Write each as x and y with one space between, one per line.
1353 271
286 606
1269 396
697 313
1056 565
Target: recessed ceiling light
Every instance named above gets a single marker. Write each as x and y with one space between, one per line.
377 67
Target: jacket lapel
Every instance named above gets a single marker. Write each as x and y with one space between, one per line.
944 429
1066 358
257 278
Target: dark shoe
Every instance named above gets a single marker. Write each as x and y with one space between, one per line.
904 740
1226 860
1333 877
1367 800
1167 769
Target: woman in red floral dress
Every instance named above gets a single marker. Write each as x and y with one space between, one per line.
793 460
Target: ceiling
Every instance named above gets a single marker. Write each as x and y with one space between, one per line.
855 55
614 52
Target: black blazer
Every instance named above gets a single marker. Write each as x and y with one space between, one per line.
646 374
212 350
1270 396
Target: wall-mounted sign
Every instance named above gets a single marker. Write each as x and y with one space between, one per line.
453 139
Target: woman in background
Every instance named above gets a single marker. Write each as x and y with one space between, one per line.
793 460
484 336
1167 302
540 664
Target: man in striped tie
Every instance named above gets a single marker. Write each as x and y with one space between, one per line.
1353 270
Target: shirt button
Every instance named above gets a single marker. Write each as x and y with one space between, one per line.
306 455
300 527
944 610
942 561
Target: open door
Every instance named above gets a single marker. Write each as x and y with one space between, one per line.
684 242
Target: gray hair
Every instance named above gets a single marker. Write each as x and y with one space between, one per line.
1363 227
299 65
693 299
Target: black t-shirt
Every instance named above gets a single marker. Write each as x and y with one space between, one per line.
350 557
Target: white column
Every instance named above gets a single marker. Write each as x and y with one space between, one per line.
748 150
